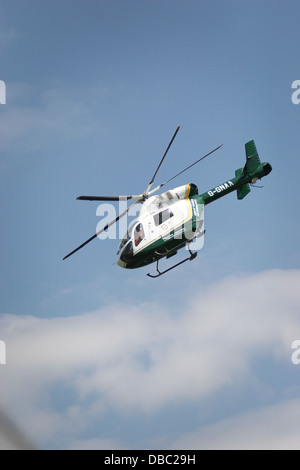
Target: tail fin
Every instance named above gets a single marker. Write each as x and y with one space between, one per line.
252 170
252 158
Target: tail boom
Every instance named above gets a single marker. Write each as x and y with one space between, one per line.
252 171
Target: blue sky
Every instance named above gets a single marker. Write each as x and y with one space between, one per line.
94 91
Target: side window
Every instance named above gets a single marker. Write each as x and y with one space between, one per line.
139 234
161 217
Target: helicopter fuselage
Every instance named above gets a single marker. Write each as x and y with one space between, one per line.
166 223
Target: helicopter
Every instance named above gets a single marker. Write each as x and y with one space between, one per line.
174 219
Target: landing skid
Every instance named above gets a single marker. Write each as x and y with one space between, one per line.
190 258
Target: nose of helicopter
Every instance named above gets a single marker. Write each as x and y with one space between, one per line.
121 263
126 256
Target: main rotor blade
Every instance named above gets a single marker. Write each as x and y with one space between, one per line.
100 231
173 177
107 198
164 156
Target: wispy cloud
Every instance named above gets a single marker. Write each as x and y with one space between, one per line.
63 374
36 119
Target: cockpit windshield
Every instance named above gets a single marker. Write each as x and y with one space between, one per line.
127 236
136 232
127 253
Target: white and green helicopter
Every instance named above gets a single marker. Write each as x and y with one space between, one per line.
174 219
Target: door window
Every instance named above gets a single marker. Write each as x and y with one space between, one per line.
162 216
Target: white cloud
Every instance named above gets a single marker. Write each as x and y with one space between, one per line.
271 428
64 373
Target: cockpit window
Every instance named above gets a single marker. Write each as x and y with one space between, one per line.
123 242
126 238
161 217
127 253
139 234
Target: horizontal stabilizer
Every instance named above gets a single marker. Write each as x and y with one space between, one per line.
243 191
238 172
